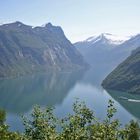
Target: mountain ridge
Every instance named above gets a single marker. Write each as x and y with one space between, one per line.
111 38
26 49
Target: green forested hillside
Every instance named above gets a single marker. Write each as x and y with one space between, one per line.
126 77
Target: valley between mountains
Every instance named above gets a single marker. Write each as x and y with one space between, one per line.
25 50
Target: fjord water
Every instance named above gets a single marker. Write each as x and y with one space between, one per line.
19 95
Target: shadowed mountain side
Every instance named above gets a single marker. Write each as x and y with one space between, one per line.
131 106
126 77
19 95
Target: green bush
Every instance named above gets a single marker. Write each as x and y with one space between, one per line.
80 125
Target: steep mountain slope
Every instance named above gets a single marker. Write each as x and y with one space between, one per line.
24 49
107 49
126 77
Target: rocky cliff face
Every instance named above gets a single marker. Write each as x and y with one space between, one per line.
24 49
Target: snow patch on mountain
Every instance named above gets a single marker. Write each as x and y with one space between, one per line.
109 38
116 39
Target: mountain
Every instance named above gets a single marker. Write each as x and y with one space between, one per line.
107 49
126 77
26 49
105 38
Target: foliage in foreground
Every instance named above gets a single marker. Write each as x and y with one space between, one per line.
81 125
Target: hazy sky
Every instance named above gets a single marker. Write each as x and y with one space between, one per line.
78 18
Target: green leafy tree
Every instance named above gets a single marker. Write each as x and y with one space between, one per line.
79 125
2 116
5 134
109 128
131 131
42 126
75 126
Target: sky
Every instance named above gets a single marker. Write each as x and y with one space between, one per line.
79 19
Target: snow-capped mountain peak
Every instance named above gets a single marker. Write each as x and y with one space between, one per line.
109 38
115 39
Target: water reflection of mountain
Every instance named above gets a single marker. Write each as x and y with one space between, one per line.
132 107
19 95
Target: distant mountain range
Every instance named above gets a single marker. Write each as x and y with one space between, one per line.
126 77
26 49
107 49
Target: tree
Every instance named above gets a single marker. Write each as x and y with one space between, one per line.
5 134
80 125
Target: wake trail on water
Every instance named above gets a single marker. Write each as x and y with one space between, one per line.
129 100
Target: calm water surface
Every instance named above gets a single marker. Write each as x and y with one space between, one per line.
19 95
